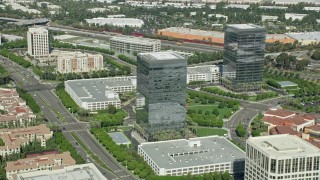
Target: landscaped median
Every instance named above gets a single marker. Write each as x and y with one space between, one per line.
126 156
90 153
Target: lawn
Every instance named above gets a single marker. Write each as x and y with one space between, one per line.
209 107
204 131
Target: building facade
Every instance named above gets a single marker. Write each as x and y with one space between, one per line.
286 157
244 55
14 139
17 113
79 62
129 45
209 73
195 156
161 79
38 163
38 42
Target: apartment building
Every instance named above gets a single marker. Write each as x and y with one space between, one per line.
286 157
130 44
14 109
43 162
79 62
38 41
14 139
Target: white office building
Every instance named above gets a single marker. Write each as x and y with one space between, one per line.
195 156
38 42
119 22
99 93
284 156
130 44
209 73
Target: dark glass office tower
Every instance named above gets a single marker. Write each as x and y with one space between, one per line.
244 46
161 80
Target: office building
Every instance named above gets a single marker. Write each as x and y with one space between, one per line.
244 55
37 163
38 42
195 156
295 16
79 62
209 73
99 93
14 139
74 172
130 44
286 157
161 79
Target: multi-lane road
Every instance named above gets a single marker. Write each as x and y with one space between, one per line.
57 114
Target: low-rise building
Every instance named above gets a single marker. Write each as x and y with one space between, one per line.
306 38
14 139
294 16
94 10
269 18
238 6
195 156
119 22
280 117
283 156
43 162
10 37
79 62
99 93
130 44
209 73
73 172
14 109
314 130
273 7
312 9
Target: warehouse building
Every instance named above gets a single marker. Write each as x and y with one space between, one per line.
130 44
119 22
306 38
99 93
194 156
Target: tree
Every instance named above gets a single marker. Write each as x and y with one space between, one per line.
241 130
215 111
112 109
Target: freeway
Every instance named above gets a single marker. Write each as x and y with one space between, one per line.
56 113
186 46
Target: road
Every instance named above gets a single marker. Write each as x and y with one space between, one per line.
57 114
186 46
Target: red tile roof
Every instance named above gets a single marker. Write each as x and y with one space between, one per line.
283 130
279 112
315 127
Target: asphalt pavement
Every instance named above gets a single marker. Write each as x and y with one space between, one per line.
57 114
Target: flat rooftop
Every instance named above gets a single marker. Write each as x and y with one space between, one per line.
135 40
198 32
244 26
85 171
119 138
162 56
283 145
305 36
202 69
93 90
193 152
287 84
